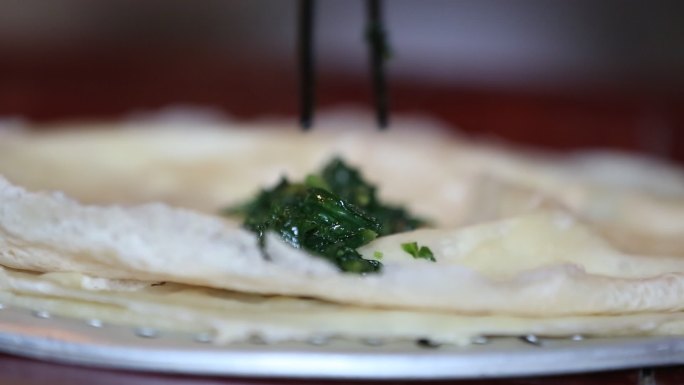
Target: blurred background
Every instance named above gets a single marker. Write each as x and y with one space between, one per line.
562 74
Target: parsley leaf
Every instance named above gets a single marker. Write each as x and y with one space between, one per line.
422 252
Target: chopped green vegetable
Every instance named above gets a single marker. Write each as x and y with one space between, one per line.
377 254
316 220
422 252
331 215
348 184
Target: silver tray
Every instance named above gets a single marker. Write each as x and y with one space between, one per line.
40 335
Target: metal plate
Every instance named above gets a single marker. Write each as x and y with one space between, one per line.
91 343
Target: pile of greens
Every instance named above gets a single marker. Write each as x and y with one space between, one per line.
330 214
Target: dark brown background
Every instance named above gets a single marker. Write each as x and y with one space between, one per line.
559 74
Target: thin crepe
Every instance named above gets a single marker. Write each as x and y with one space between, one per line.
556 266
234 317
637 203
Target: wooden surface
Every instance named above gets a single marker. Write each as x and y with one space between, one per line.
19 371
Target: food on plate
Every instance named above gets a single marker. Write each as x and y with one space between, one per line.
432 236
233 316
330 214
637 203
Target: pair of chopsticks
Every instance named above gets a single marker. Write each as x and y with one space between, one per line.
378 50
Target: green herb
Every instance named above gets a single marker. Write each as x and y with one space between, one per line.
348 184
331 214
316 220
377 254
422 252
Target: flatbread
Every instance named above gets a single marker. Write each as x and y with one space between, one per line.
633 222
231 317
637 203
555 266
526 243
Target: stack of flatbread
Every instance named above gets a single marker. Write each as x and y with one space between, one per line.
120 223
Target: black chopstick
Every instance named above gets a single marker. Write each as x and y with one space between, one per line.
306 63
379 52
